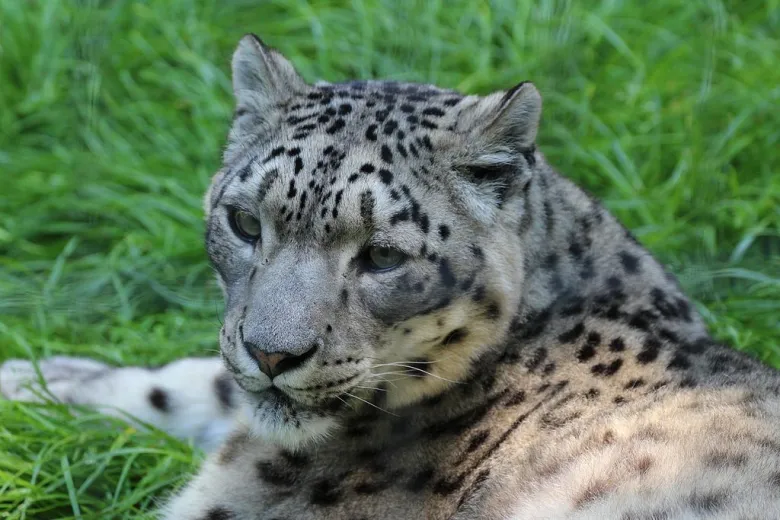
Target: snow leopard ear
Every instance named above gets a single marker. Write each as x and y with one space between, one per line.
499 151
507 120
263 79
501 130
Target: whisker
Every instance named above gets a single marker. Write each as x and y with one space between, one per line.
370 388
430 362
430 374
378 380
371 404
343 401
396 363
400 372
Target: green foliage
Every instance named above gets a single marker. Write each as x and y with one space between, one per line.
112 115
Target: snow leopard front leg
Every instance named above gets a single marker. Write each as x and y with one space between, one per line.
191 398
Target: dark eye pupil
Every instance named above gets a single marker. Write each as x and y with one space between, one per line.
384 257
247 226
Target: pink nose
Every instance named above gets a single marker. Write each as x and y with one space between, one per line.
274 363
269 362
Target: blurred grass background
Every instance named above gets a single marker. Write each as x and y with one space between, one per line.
113 113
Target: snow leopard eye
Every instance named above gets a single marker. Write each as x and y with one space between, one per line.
378 258
244 225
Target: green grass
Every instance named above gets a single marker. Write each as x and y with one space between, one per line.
113 113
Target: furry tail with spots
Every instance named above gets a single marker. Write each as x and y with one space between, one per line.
191 398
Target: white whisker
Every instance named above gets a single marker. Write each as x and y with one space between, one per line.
370 404
430 374
381 380
398 372
397 363
343 401
371 388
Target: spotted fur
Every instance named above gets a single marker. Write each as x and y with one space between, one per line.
527 359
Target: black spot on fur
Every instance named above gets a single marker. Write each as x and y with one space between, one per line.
641 320
390 127
585 353
401 216
679 362
607 370
275 474
276 152
516 398
447 277
367 203
387 155
337 125
722 459
158 398
575 249
386 176
572 334
614 283
493 311
630 262
223 387
634 383
265 185
444 232
218 513
588 350
424 223
297 460
446 486
292 191
617 345
477 440
433 111
684 309
649 352
707 502
325 493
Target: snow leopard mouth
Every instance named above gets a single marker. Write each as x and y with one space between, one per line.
275 398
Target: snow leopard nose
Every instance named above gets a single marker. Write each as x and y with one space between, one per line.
274 363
